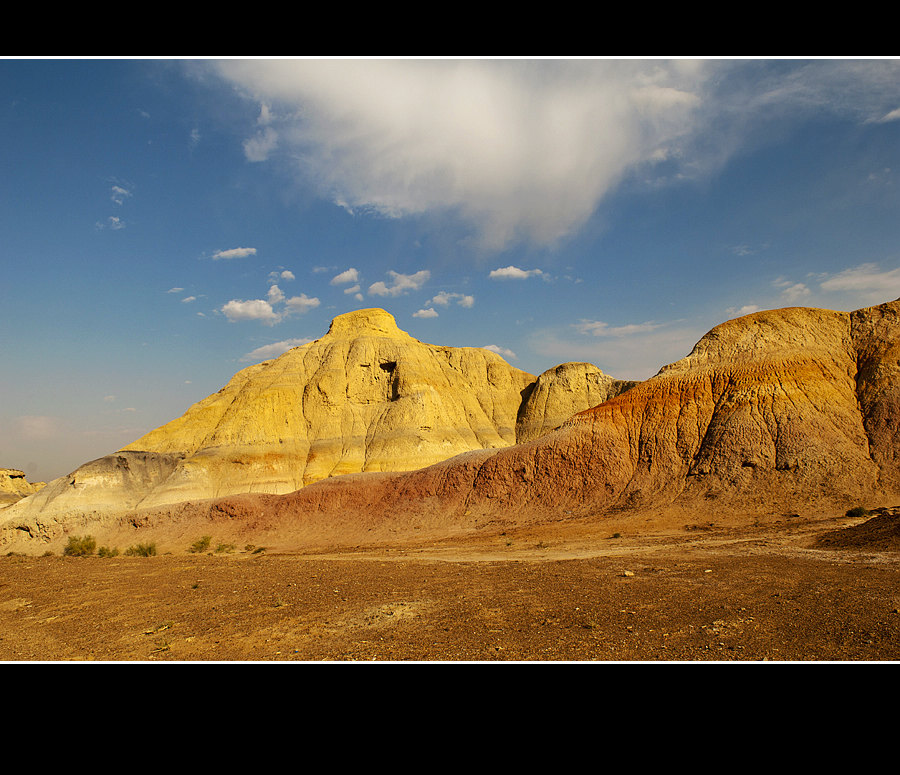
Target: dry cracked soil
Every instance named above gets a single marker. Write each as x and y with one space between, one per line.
796 590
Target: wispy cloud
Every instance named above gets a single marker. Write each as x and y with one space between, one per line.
599 328
791 291
233 253
273 350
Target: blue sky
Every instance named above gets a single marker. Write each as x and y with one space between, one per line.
166 223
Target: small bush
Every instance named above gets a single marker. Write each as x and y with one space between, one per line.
80 546
105 551
141 550
201 544
857 512
225 548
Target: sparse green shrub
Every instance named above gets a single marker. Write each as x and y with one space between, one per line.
259 549
201 544
225 548
105 551
857 512
141 550
80 546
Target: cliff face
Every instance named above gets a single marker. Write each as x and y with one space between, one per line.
366 397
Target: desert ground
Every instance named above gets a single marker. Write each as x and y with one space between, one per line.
790 590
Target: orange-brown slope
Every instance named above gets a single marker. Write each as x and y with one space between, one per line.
768 414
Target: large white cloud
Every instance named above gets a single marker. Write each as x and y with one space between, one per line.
528 149
522 149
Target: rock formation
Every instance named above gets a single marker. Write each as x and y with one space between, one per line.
785 411
366 397
14 486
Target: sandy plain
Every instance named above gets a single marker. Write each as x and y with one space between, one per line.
792 590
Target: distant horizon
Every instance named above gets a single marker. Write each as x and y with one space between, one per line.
166 223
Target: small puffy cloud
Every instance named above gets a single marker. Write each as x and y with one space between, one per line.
119 194
425 313
275 295
400 283
233 253
355 289
254 309
113 222
599 328
444 299
501 351
188 299
513 273
348 276
274 277
300 304
273 350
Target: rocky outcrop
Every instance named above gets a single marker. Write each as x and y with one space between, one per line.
366 397
14 486
561 392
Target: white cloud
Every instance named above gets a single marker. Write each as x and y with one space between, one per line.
300 304
258 147
502 351
599 328
513 273
400 284
233 253
868 283
527 150
273 350
893 115
188 299
746 309
425 313
791 291
287 274
444 299
355 289
175 290
119 194
264 310
348 276
254 309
